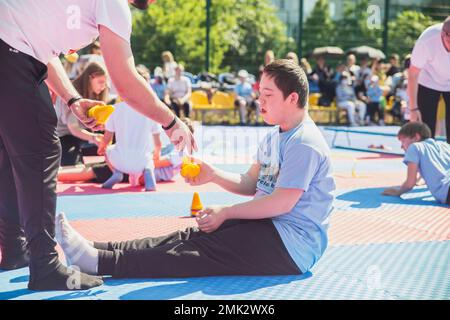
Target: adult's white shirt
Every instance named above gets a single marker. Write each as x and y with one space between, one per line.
133 150
179 88
44 29
430 55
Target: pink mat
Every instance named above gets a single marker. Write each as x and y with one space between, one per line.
346 228
343 181
178 185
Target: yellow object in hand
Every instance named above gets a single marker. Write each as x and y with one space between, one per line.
189 169
100 113
196 205
72 58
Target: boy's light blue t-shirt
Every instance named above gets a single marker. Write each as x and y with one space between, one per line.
433 160
299 159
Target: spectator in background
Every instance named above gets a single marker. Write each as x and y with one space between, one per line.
169 65
403 74
361 89
144 72
400 108
94 55
178 92
346 99
157 83
340 68
269 57
313 79
377 70
159 86
69 61
364 71
95 49
374 95
399 90
323 73
352 67
292 56
394 61
91 84
245 97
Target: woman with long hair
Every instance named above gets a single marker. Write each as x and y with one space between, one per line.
91 84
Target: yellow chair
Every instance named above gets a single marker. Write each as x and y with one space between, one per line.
314 99
223 100
318 111
200 100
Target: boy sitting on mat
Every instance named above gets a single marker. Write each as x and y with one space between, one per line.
426 156
282 231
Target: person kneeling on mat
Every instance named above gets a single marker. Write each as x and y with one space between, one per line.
426 156
166 160
282 231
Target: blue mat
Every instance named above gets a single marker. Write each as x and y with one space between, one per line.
378 271
122 205
371 198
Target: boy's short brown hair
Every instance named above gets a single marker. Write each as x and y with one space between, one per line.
289 77
412 128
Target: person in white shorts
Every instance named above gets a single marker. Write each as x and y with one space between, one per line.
132 154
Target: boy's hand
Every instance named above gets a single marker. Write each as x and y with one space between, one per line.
207 173
101 149
211 218
97 139
392 192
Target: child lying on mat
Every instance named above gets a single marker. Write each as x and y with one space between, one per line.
426 156
282 231
166 160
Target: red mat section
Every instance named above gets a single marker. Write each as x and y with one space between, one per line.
178 185
413 224
104 230
343 181
346 228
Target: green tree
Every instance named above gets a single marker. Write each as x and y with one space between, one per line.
354 30
177 26
258 29
319 28
241 30
405 29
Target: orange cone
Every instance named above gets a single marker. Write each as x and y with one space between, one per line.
196 205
